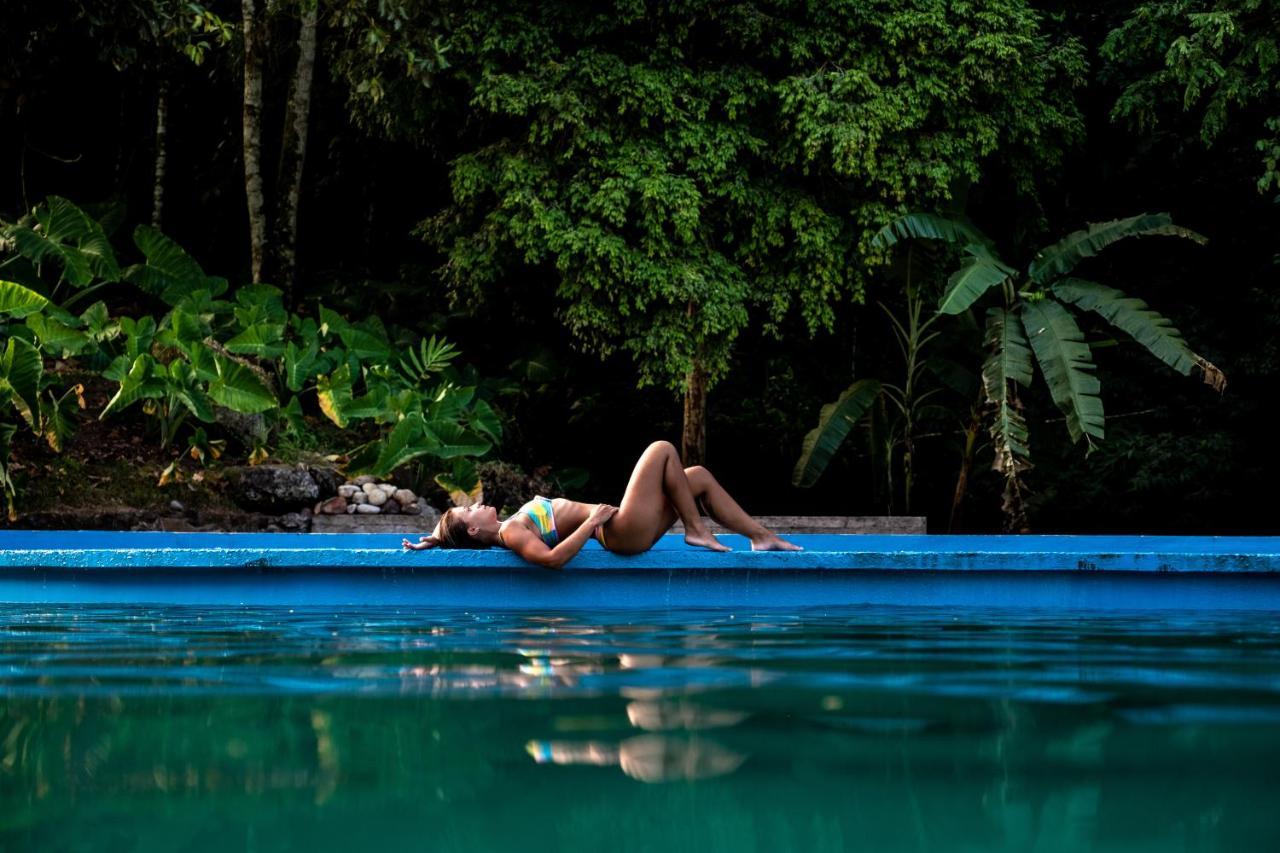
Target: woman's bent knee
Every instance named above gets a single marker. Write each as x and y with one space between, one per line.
662 445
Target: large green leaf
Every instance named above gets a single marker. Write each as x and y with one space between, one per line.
70 237
334 394
98 323
19 301
364 340
484 420
927 226
60 414
238 388
451 440
1132 316
300 364
20 371
1067 365
187 330
408 441
184 386
1009 358
260 303
1062 257
139 335
169 273
141 382
1145 325
261 340
56 337
834 423
1008 365
967 284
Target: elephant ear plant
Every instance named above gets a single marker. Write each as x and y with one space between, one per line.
24 388
1032 321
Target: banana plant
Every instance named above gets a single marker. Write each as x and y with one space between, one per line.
1033 320
865 398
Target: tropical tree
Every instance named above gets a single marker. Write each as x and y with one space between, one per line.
671 174
1031 323
1219 59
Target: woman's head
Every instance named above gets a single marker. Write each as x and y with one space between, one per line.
468 527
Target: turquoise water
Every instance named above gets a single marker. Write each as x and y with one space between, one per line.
868 729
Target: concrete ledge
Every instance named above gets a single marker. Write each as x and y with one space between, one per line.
831 524
404 524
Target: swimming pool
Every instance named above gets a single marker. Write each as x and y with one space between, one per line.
145 727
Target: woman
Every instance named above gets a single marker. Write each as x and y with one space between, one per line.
551 532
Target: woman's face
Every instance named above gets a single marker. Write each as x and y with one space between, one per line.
480 518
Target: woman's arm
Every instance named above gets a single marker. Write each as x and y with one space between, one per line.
531 547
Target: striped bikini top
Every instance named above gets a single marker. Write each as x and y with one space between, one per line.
539 510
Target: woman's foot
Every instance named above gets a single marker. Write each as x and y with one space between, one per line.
772 542
705 539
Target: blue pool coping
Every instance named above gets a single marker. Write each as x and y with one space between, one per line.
1059 572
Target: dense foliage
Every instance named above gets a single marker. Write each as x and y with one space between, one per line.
246 355
592 199
688 170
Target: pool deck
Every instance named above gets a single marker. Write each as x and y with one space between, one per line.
1059 572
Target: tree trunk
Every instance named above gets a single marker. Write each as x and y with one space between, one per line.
162 131
966 465
253 50
293 154
693 440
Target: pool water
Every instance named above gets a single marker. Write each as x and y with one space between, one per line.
166 728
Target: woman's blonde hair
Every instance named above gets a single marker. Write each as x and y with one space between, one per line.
451 532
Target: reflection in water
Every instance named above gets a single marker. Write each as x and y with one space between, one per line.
649 758
126 728
665 716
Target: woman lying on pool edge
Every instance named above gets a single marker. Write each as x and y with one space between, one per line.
660 491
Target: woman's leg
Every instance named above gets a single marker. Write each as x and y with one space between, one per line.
726 512
658 491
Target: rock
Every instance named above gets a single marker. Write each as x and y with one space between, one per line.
271 488
391 507
377 497
368 509
294 521
327 479
388 488
363 479
359 498
351 509
333 506
412 509
404 497
249 430
348 489
177 506
370 487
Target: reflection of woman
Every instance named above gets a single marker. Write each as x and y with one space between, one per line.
649 758
550 532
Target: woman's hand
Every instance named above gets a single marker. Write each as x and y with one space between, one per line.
601 514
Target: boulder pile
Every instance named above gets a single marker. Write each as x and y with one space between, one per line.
365 495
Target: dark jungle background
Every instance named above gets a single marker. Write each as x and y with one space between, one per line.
626 214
